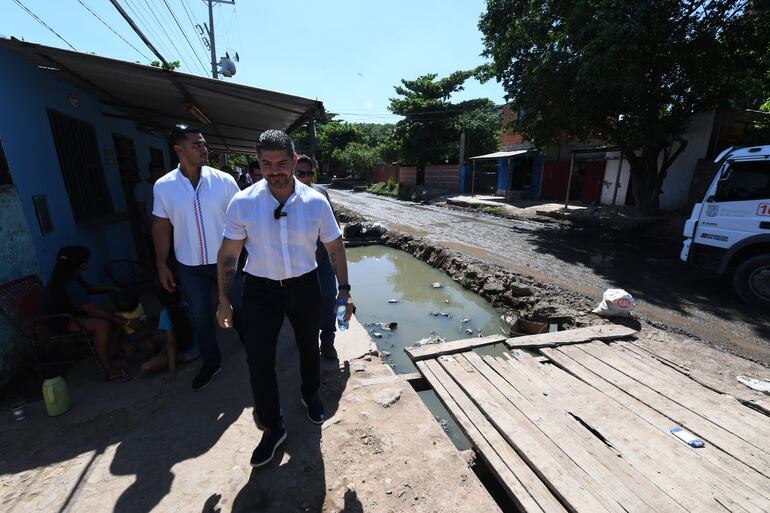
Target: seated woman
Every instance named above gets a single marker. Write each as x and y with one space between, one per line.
67 292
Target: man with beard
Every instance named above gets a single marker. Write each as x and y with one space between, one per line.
279 221
190 204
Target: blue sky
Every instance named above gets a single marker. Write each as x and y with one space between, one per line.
348 54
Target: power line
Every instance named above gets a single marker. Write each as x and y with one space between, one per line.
183 34
148 27
113 30
192 24
18 2
160 24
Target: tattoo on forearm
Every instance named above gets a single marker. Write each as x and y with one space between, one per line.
228 274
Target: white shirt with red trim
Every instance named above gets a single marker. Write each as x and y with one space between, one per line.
285 247
198 215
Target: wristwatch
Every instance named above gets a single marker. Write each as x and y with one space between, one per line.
345 286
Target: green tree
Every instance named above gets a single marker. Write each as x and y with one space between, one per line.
430 130
629 72
355 157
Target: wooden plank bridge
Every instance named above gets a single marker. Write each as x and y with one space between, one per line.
579 423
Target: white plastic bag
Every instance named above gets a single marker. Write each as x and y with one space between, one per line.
615 303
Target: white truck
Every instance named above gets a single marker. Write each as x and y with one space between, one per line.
729 232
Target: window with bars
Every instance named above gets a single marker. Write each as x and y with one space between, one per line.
81 167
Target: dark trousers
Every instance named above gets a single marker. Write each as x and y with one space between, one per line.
328 300
199 285
265 304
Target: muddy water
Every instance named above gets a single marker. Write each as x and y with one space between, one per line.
380 274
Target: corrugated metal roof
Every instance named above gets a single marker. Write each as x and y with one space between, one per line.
231 115
499 155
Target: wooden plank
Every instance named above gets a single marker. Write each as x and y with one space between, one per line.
619 483
577 491
417 353
722 410
521 484
682 472
576 336
699 378
530 378
660 413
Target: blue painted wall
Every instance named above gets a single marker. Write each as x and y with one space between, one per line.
503 175
26 136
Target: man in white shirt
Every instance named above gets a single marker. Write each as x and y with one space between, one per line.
189 207
279 221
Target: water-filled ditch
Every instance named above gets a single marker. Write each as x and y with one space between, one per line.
393 286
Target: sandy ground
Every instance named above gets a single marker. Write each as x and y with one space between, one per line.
142 446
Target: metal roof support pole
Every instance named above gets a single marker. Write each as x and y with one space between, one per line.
617 179
569 180
312 136
509 181
473 180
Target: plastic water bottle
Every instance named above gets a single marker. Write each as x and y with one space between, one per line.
341 308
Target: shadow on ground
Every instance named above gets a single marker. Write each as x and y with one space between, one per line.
295 480
176 446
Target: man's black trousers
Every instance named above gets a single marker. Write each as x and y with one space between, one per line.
265 303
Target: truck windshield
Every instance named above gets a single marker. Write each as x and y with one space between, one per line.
745 181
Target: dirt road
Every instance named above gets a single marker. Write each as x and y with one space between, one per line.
585 261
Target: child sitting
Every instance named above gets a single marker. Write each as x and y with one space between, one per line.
180 344
128 307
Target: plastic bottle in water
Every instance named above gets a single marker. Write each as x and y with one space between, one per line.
341 309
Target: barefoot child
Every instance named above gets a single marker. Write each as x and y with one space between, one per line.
180 345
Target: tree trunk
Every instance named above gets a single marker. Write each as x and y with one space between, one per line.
646 182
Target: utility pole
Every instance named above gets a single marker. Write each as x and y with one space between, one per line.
210 31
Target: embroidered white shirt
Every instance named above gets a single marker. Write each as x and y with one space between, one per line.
198 215
285 247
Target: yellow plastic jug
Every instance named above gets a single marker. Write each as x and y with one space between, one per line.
55 396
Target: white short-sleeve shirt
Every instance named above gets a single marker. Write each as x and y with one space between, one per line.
198 215
285 247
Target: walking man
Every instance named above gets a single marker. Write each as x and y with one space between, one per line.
304 172
190 205
279 221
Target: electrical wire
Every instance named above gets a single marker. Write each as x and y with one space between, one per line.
18 2
139 16
195 54
192 24
113 30
160 24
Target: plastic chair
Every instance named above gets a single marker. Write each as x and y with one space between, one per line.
54 351
129 274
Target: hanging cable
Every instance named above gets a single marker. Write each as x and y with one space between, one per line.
192 24
113 30
183 34
162 28
148 27
18 2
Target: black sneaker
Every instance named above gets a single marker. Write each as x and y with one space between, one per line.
328 352
267 446
205 376
315 410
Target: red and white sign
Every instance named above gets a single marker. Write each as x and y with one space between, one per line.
763 209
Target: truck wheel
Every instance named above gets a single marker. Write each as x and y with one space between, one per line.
751 280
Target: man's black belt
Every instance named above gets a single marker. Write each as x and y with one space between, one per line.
288 282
